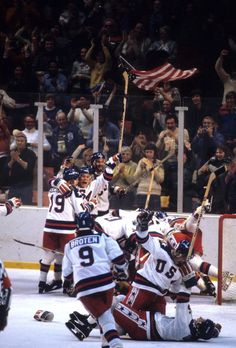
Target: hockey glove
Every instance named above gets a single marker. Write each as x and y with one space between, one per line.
188 275
15 202
112 161
143 219
63 187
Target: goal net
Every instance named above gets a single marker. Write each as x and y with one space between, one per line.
226 290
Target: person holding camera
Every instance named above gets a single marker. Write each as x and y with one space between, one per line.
206 140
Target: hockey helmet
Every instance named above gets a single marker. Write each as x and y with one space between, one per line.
84 170
95 156
84 221
70 174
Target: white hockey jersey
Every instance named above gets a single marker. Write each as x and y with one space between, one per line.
89 257
61 211
3 210
159 272
177 328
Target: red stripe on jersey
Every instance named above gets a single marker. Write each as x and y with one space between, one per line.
94 282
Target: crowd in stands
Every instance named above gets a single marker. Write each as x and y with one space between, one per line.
67 54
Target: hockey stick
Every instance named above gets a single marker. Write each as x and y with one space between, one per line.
126 78
37 246
152 177
149 189
212 177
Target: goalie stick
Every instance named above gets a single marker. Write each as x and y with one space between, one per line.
37 246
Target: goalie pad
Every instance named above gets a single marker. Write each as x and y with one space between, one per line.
44 316
227 279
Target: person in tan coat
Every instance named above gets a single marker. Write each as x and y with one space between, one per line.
150 175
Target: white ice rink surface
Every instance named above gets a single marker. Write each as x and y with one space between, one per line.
25 332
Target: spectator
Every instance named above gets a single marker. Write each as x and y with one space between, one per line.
65 139
109 94
5 138
48 53
98 58
138 145
20 168
85 160
32 135
160 115
165 44
167 145
228 79
50 110
230 188
229 106
144 174
197 109
206 140
228 120
81 114
123 177
221 157
109 135
53 81
134 47
80 74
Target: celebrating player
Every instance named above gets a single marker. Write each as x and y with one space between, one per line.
88 259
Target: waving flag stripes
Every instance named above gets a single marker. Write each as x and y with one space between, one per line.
148 79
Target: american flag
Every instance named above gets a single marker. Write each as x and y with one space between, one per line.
149 79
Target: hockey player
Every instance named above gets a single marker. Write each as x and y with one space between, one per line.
146 325
165 267
60 225
98 188
88 259
5 283
100 170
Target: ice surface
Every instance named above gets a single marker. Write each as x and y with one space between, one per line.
25 332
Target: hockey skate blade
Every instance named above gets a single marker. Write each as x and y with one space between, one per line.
78 334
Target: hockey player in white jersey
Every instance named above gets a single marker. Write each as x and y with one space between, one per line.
150 326
166 267
88 259
60 226
98 188
5 283
103 173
